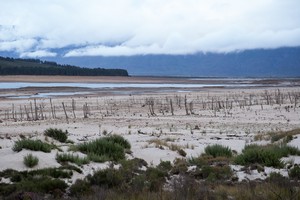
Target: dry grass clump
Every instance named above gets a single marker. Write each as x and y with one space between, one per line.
163 143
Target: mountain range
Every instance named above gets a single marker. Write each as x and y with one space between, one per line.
280 62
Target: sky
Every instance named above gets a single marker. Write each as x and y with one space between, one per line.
38 28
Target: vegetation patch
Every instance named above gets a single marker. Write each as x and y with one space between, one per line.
217 150
34 145
294 173
104 149
287 136
30 160
165 143
68 157
57 134
265 155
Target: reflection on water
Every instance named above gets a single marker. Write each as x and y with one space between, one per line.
16 85
47 94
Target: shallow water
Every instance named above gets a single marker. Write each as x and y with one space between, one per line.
17 85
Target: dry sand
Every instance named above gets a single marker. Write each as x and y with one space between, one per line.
231 117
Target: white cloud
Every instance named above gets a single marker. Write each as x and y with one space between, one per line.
38 54
131 27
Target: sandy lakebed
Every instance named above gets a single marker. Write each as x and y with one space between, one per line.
230 112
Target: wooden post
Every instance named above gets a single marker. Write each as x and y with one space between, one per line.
73 107
171 105
65 112
52 110
35 110
185 105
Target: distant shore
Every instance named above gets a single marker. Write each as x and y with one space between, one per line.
137 79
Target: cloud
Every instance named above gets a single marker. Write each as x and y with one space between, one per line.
135 27
38 54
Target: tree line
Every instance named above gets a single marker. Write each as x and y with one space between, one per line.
12 66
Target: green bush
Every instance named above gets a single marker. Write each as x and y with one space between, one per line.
57 134
217 150
103 149
80 188
51 172
68 157
295 172
165 166
156 178
107 178
42 184
214 173
30 160
117 139
265 155
34 145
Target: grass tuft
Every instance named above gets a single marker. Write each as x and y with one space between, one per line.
68 157
217 150
34 145
265 155
57 134
105 149
30 160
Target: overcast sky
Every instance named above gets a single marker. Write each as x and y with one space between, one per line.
36 28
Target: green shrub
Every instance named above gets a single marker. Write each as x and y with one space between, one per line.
295 172
42 184
156 178
7 189
68 157
180 166
256 154
34 145
214 173
117 139
103 149
57 134
80 188
217 150
51 172
165 166
30 160
107 178
287 136
265 155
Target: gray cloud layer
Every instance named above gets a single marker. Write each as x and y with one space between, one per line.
33 28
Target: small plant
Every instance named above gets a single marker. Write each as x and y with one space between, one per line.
34 145
30 160
68 157
217 150
57 134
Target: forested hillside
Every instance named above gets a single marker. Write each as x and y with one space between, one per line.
11 66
